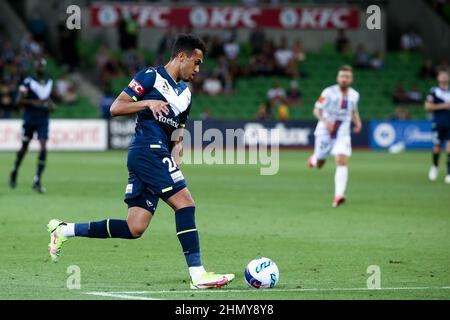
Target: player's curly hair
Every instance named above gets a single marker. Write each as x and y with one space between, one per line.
187 43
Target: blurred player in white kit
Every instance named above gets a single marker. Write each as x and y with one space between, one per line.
336 109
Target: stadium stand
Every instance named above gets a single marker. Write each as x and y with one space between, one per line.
249 90
376 86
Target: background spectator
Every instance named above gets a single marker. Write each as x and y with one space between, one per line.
276 94
283 112
283 57
362 58
164 46
411 41
128 32
400 96
212 85
68 46
111 70
264 112
298 51
105 104
263 63
6 100
65 89
223 72
400 113
132 60
231 47
377 61
215 47
342 43
414 94
293 94
428 71
257 38
205 114
403 96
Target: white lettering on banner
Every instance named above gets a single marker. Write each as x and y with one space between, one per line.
219 17
68 135
320 18
125 127
337 20
256 133
223 17
247 18
298 17
414 134
308 18
154 15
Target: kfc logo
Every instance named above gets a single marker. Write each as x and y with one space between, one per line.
136 87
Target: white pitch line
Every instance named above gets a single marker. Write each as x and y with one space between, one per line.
118 295
128 294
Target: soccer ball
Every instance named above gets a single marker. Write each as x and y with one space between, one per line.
262 273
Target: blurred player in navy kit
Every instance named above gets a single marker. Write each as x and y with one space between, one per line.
438 102
34 99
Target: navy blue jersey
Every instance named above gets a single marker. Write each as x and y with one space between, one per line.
34 89
154 83
440 95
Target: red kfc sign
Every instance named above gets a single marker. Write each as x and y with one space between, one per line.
109 15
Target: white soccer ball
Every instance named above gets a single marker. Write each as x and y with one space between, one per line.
262 273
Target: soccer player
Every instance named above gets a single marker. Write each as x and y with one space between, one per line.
438 102
335 109
162 101
34 97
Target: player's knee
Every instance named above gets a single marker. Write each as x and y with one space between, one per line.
188 200
185 202
136 230
341 161
137 227
181 200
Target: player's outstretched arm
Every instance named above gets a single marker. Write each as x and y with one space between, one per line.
430 106
125 105
357 122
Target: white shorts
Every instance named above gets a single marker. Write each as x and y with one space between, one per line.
324 145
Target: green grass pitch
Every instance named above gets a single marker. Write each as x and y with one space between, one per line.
394 218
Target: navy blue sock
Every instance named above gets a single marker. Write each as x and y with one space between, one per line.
111 228
188 236
436 159
20 155
41 164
